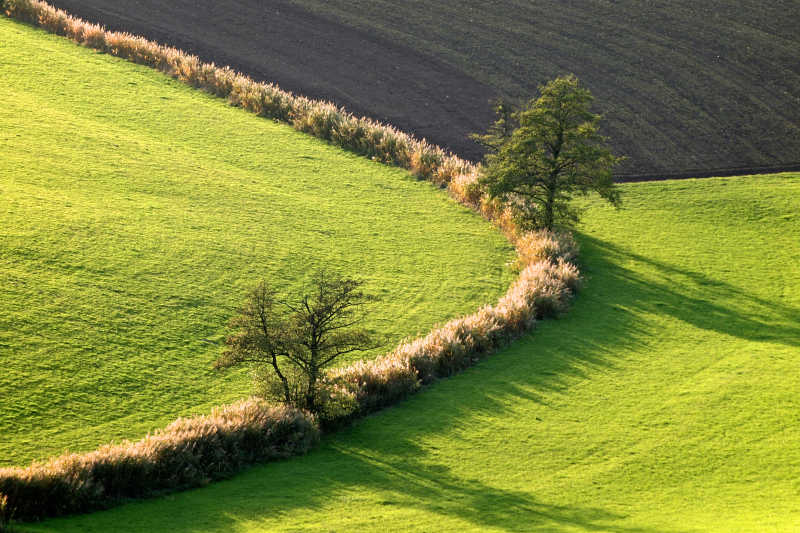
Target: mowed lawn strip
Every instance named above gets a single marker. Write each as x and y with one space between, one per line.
136 212
664 401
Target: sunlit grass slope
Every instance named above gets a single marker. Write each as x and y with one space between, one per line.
666 400
135 213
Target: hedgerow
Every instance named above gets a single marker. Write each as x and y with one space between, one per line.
193 451
543 289
187 453
321 119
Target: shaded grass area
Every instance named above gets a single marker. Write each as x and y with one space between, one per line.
135 214
664 401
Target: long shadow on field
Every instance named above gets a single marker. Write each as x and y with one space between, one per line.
387 463
437 491
402 483
698 299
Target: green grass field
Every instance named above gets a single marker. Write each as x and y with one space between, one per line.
135 214
666 400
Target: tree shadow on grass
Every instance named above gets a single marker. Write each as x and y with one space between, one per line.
259 499
382 456
696 298
435 489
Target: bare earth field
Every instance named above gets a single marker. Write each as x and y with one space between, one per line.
687 87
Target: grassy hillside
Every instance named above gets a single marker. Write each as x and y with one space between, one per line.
666 400
684 85
135 214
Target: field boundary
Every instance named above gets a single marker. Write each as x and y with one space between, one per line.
547 282
713 173
319 118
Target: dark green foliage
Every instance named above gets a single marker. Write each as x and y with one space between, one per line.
5 514
554 153
503 127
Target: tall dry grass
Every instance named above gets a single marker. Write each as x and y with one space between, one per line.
193 451
321 119
189 452
544 288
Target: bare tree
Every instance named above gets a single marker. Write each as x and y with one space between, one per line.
292 340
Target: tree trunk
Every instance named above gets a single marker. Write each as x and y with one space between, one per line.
552 183
549 207
287 397
311 397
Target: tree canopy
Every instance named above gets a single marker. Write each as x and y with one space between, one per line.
291 340
554 152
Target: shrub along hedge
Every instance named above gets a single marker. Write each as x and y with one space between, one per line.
543 289
187 453
193 451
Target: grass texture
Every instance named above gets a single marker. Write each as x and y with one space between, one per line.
664 401
136 212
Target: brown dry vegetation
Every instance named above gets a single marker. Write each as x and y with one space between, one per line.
189 452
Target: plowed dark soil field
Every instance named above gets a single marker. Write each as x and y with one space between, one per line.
687 87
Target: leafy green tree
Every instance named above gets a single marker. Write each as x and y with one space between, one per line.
503 127
554 152
291 341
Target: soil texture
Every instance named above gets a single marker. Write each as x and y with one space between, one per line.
686 88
